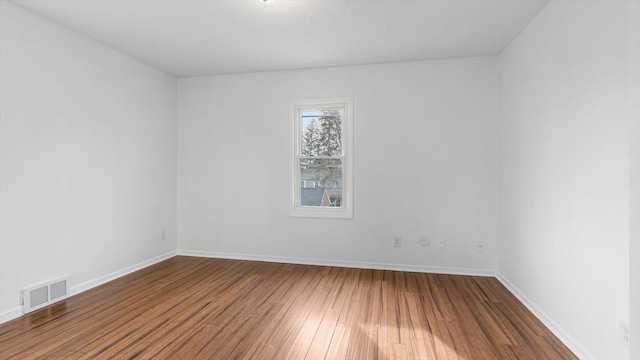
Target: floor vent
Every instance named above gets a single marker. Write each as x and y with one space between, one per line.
39 296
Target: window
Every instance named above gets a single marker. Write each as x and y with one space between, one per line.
322 158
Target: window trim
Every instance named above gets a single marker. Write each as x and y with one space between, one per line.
296 210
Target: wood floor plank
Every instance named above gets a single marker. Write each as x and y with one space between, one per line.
322 339
199 308
311 317
338 347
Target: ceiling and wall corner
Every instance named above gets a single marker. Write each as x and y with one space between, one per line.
195 38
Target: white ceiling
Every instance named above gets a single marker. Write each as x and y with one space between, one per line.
199 37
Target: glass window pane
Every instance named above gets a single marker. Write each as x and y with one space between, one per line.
326 177
321 132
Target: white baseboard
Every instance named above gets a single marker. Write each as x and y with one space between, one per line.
11 314
566 339
77 289
341 263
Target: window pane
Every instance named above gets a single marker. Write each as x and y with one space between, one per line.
326 177
322 133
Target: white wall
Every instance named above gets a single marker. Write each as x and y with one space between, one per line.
88 165
88 158
424 163
634 136
564 172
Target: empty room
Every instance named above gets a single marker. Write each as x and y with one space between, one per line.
308 179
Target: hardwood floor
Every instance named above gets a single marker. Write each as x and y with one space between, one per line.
199 308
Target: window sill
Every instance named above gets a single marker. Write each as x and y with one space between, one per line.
325 213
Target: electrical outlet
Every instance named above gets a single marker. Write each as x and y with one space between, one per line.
397 241
480 246
625 334
442 244
424 241
163 236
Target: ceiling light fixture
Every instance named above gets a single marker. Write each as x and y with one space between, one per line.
266 1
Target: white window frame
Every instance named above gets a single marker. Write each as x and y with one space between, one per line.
296 109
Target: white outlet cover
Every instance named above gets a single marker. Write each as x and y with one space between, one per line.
424 241
397 241
625 333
